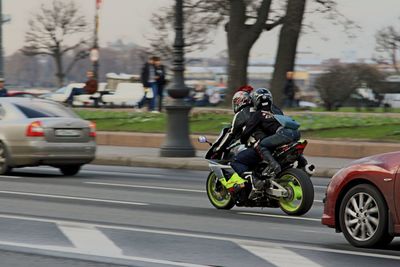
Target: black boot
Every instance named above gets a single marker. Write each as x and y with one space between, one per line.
273 164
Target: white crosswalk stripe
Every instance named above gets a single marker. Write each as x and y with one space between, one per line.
280 256
90 240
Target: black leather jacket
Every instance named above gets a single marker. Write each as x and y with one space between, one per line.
260 125
239 121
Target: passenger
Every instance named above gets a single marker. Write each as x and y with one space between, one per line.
261 125
268 130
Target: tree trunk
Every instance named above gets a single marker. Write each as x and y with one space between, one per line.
241 38
286 54
60 68
237 69
394 59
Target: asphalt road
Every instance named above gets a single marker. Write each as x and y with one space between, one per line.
122 216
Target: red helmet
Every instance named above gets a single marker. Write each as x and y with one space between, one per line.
240 100
246 88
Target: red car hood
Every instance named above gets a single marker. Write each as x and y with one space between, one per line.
388 161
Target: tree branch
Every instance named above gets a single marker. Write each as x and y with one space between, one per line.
270 26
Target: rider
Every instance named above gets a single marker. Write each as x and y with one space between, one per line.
242 106
249 158
269 130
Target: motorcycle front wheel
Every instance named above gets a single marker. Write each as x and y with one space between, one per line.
300 192
218 194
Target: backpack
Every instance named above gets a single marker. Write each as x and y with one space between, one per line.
287 122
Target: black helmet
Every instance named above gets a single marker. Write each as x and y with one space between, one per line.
262 99
240 100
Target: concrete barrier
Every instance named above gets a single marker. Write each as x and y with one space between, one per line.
317 148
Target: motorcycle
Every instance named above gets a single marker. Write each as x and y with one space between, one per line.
291 190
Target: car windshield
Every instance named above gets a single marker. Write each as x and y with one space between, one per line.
44 110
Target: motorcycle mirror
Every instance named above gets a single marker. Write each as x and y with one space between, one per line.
202 139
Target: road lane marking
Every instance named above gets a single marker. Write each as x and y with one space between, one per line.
60 249
89 240
321 186
280 256
245 242
125 173
104 172
73 198
158 188
280 216
11 177
147 187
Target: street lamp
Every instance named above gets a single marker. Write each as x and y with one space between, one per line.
3 19
177 142
94 52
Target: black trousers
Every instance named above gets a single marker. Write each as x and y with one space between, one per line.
245 161
282 136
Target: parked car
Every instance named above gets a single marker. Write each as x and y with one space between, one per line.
40 132
363 200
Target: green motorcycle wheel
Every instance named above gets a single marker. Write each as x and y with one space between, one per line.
300 192
218 194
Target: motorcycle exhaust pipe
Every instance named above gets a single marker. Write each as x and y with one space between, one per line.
310 169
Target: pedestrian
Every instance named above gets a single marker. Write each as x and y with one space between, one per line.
161 81
3 90
289 90
90 88
297 96
214 96
149 81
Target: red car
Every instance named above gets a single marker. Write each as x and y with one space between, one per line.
363 201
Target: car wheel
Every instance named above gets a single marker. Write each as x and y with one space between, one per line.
364 217
70 170
4 167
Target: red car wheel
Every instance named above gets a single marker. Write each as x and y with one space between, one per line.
363 217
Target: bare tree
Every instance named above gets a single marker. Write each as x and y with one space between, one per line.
291 30
244 21
287 47
388 42
201 18
56 30
340 81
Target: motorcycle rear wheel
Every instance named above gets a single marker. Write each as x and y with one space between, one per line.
218 194
300 192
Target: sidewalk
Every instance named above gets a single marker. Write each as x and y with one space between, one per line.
149 157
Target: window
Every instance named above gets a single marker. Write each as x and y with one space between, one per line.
44 110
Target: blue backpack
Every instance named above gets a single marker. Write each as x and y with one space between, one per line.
287 122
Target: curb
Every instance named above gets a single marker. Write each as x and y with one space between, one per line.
177 163
147 162
318 148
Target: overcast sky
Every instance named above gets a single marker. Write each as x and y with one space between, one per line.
129 20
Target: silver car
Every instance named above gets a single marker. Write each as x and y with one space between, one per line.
40 132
